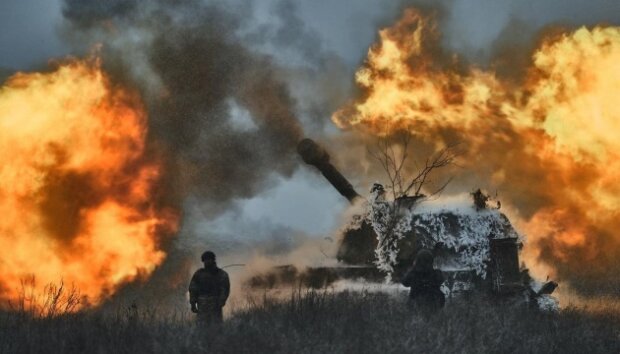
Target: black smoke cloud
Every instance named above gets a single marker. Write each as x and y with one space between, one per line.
218 110
87 13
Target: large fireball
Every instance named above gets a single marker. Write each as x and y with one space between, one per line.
77 189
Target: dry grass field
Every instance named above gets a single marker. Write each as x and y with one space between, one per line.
317 322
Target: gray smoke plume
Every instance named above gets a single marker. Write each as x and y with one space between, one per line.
218 110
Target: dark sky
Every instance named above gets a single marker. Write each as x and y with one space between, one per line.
30 29
30 34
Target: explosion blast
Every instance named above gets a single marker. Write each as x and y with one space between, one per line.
547 142
77 189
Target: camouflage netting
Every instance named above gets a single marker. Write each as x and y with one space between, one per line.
403 227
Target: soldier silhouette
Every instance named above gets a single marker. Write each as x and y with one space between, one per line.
209 290
425 294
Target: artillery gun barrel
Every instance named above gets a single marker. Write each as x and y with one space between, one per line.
316 156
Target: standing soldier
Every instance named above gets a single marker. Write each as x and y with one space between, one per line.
209 290
425 282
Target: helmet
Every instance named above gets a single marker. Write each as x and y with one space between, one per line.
424 260
207 255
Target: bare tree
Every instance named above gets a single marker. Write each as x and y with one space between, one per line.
392 155
391 221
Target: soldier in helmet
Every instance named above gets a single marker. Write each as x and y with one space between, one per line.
209 290
425 282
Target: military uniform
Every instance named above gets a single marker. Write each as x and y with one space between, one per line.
425 292
208 291
425 282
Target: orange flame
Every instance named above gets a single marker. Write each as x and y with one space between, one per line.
76 186
548 143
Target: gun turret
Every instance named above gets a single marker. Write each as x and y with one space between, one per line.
316 156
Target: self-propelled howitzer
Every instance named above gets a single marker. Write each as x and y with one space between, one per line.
476 248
